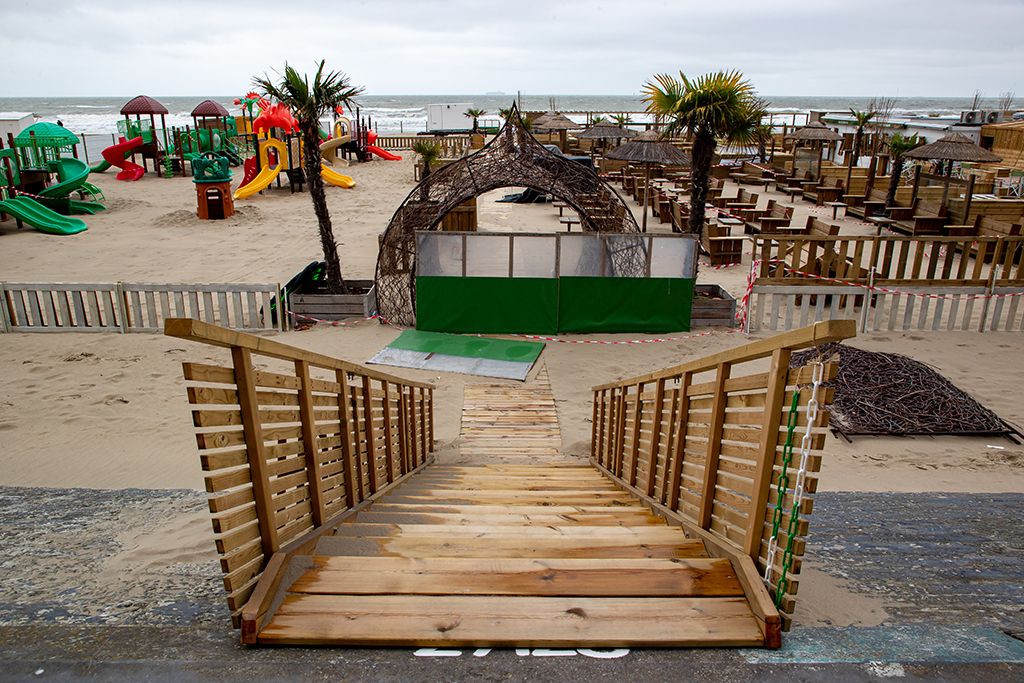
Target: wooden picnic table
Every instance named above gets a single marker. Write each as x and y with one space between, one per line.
835 207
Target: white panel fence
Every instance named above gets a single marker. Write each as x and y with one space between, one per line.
129 307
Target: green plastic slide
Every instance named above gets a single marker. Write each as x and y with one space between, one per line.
72 173
101 167
91 208
41 218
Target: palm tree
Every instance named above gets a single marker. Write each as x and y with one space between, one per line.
475 114
622 119
718 105
898 146
428 151
862 118
309 103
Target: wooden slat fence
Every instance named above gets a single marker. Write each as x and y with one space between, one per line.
888 283
131 307
706 442
285 453
452 146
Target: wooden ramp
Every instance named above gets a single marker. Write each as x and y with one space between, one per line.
511 424
510 556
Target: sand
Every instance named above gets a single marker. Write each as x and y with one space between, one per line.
109 411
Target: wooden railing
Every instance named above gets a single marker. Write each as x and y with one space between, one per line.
891 283
452 146
288 452
130 307
708 450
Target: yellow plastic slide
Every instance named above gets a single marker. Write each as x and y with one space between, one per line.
267 172
328 149
335 178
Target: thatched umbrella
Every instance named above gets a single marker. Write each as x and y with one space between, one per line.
953 147
605 131
816 133
647 148
558 122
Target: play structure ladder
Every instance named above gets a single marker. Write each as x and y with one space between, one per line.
511 424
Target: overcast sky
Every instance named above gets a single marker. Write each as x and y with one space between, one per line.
213 47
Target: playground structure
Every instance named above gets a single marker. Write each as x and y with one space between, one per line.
212 179
37 180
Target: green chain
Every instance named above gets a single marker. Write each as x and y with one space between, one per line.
787 457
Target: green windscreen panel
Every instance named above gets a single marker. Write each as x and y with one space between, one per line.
616 304
487 305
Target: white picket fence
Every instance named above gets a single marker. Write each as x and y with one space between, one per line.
130 307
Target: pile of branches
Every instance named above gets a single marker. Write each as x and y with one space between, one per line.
886 393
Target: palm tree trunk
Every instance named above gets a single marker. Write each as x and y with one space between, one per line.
311 161
894 181
700 178
858 140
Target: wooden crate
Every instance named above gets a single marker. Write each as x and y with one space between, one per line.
716 312
336 306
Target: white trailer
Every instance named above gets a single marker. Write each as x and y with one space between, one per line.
449 118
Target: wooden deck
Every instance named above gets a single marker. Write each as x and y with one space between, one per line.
511 556
527 551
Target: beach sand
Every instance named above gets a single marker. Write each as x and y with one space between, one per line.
109 411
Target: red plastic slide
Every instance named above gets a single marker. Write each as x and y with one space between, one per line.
117 155
383 153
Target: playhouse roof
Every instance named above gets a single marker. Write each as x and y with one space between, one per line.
44 133
210 108
144 105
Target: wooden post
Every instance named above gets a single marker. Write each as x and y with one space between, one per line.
346 439
245 379
389 454
595 428
309 449
718 402
656 429
371 450
403 435
775 403
872 166
423 424
413 450
634 447
674 480
968 196
620 433
430 420
917 184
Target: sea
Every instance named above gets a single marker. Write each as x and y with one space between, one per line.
97 117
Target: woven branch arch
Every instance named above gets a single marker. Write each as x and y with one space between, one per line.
513 159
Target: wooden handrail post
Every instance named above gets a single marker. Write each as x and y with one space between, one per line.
371 451
677 454
718 403
594 429
430 420
413 441
423 424
775 400
245 380
346 438
656 429
309 449
389 452
403 435
620 432
634 446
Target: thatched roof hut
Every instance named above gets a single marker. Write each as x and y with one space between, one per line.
953 147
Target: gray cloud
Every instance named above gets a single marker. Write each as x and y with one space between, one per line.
102 47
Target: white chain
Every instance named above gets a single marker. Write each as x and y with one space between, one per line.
818 374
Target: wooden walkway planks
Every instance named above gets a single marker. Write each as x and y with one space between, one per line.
525 550
511 423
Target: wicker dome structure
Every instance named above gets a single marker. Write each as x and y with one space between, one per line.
513 158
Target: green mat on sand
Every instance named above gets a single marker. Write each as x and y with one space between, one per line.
467 346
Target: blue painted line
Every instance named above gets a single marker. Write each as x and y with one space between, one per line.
913 643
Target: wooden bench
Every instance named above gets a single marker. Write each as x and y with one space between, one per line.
744 199
922 218
863 206
830 190
984 226
777 216
721 246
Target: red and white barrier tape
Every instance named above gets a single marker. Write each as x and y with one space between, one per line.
332 322
630 341
741 316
